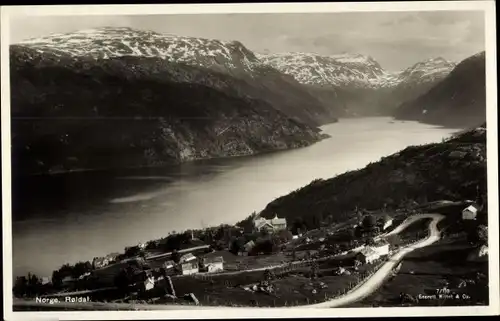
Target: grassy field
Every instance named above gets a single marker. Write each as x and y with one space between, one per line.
426 270
293 287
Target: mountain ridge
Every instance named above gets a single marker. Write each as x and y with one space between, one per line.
155 112
357 83
230 57
458 100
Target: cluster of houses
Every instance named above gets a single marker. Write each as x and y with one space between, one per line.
190 264
100 262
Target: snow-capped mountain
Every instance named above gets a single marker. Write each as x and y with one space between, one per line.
111 42
426 71
344 70
126 98
353 70
357 82
261 81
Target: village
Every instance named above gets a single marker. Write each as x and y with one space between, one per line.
328 260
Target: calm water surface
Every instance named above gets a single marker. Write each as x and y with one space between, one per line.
72 217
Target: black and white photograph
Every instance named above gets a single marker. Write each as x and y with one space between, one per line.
250 159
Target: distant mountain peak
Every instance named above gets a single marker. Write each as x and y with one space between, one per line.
353 69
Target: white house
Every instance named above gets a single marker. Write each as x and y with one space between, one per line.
214 264
278 223
46 280
100 262
189 268
149 283
187 258
84 275
387 224
368 255
470 212
167 265
382 248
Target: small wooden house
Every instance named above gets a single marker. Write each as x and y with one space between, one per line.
214 264
470 212
187 258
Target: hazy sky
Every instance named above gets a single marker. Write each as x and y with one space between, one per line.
395 39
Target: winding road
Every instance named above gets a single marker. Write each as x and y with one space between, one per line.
375 281
359 292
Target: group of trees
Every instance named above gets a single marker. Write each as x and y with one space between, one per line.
67 270
369 226
478 235
29 286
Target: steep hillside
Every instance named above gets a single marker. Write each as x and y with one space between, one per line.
79 112
232 58
357 84
458 100
418 79
451 170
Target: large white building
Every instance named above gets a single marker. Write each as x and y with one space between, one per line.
273 225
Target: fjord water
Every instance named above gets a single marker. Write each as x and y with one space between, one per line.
74 217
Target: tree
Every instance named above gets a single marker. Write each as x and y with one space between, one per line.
132 251
314 270
369 222
122 281
20 286
394 240
370 241
358 231
482 231
285 236
298 226
236 245
56 279
266 246
478 235
176 257
269 275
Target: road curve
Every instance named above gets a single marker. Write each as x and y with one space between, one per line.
359 292
376 280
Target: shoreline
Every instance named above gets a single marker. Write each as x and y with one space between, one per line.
201 161
322 136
